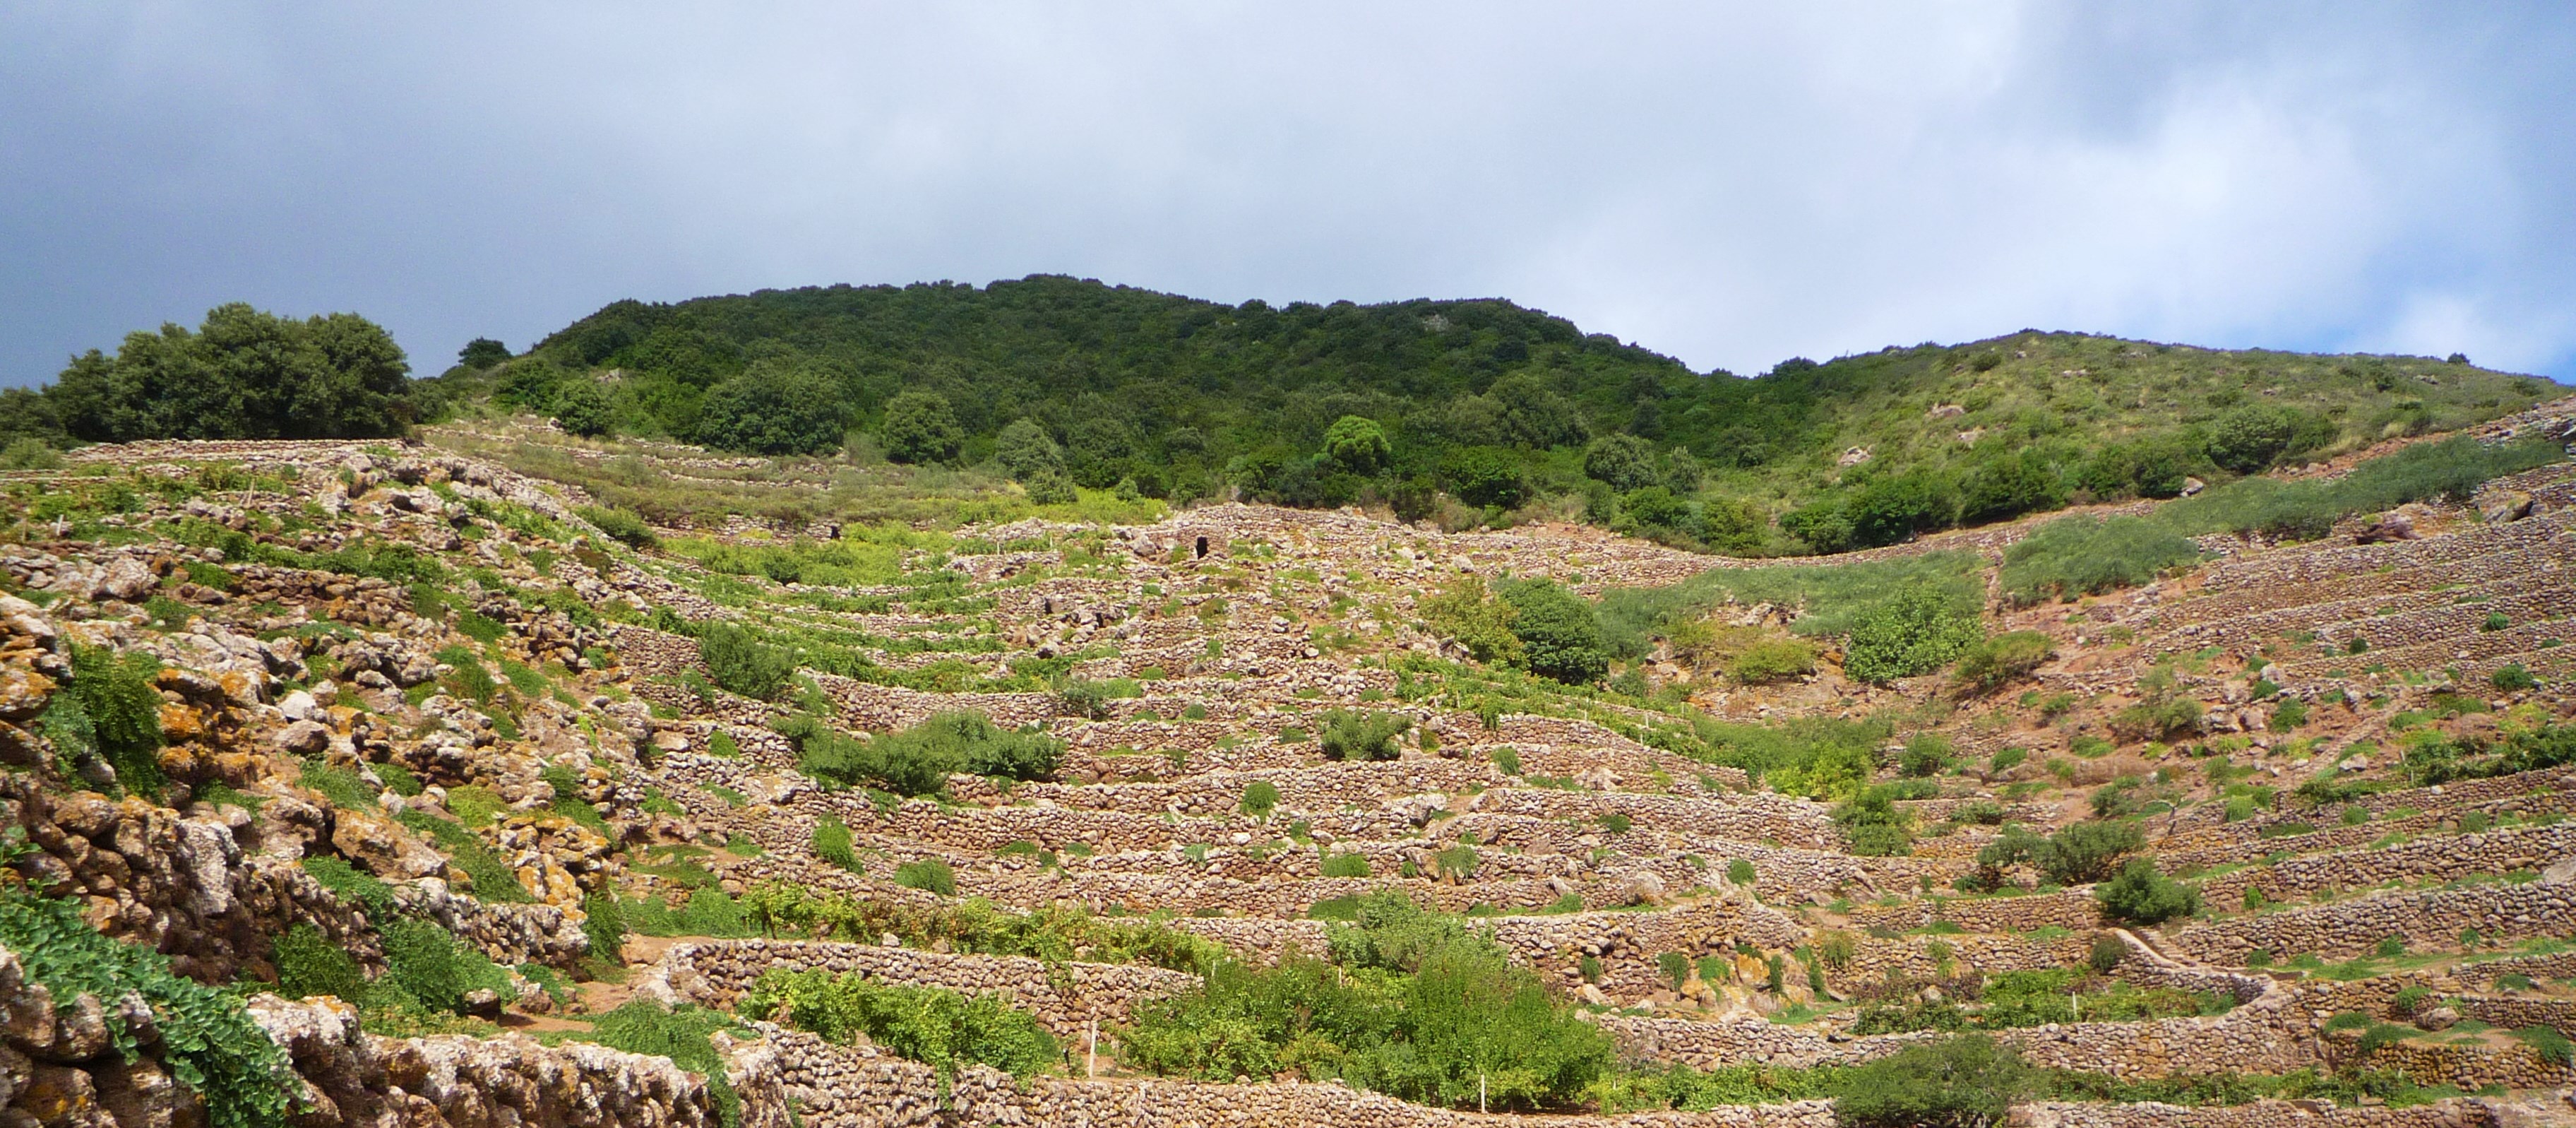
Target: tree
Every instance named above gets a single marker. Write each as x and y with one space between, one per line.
2247 439
1625 461
2087 851
2143 894
1485 476
920 427
772 409
1892 508
1357 444
2007 487
1024 450
1965 1081
1682 473
1051 487
1560 636
1732 525
582 408
482 353
1913 632
245 374
1534 415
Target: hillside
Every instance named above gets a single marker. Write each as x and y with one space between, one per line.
1482 402
362 784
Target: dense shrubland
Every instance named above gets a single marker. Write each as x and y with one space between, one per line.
1462 411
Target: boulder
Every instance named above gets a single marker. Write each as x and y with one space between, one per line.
304 738
383 847
126 578
2498 506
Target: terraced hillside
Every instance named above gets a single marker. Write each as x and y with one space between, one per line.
356 783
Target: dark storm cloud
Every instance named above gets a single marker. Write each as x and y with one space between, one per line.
1727 184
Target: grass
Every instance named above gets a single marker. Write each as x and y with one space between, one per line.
1832 598
2074 556
2306 508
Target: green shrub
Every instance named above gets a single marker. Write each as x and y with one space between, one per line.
425 965
1351 864
1260 797
1990 665
491 878
1965 1081
1874 826
772 408
1560 637
2289 714
920 427
919 760
604 925
352 886
309 964
1361 736
1739 872
346 790
1082 697
739 661
111 708
30 454
2512 678
940 1028
1914 632
929 874
2552 1046
1926 754
1773 660
2081 853
832 844
681 1035
2107 953
1476 620
2074 556
1676 968
622 525
1413 1004
208 1043
1457 862
2142 893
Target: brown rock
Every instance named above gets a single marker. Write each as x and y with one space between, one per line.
304 738
383 847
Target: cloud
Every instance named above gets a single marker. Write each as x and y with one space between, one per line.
1730 184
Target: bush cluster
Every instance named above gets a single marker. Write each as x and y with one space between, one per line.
919 760
941 1028
1410 1003
1916 631
1348 735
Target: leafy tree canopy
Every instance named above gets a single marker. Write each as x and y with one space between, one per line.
244 374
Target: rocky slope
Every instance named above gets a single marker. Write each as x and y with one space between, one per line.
257 698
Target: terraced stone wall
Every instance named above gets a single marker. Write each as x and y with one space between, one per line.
2433 919
1064 997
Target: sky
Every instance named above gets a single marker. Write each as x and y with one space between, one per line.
1727 184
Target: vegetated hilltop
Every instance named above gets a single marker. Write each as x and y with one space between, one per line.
1468 410
347 782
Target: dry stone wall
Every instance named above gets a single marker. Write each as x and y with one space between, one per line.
1064 997
2432 919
